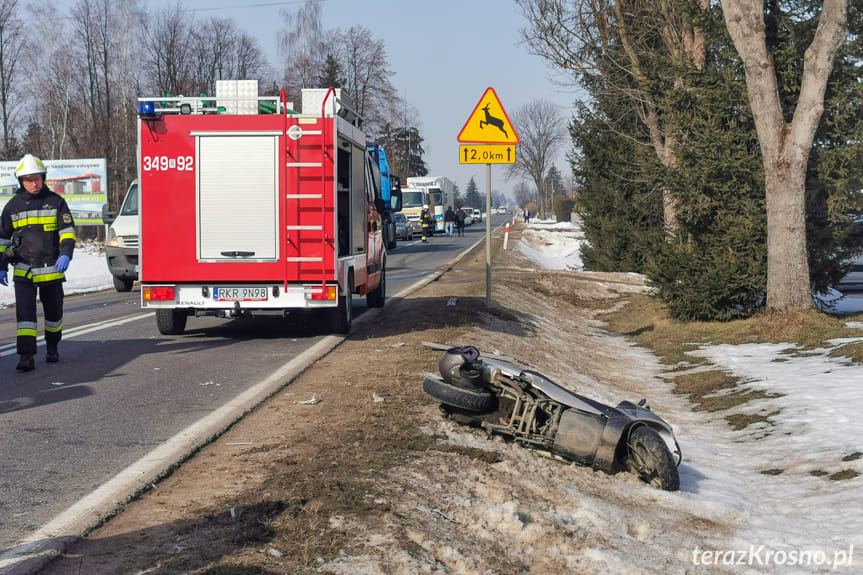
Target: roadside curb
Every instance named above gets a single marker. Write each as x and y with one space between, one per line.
52 539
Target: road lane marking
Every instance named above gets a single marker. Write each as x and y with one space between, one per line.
74 332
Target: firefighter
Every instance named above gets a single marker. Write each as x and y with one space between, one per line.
37 236
426 222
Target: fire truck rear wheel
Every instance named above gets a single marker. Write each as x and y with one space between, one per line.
377 297
171 321
342 316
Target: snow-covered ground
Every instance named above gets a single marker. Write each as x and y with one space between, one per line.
799 520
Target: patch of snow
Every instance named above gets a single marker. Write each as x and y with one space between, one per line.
88 271
771 480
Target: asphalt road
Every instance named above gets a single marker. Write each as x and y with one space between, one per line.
121 390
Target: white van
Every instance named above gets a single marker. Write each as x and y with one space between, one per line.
477 215
121 247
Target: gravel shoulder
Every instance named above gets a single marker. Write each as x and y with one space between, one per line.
351 469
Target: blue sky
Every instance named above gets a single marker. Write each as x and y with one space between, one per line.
444 55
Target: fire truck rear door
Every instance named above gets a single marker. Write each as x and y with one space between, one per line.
237 196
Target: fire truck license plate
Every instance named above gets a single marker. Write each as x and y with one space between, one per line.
240 294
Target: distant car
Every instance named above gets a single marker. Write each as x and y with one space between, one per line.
468 217
501 210
404 228
477 214
853 282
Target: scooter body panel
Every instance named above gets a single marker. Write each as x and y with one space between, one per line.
579 435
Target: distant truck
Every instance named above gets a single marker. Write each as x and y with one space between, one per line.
441 191
413 200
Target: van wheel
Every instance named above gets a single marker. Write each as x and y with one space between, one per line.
377 297
123 284
171 321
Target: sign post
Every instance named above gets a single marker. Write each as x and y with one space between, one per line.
488 124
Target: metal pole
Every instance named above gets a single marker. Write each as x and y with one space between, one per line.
488 235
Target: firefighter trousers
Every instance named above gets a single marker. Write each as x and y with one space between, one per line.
51 295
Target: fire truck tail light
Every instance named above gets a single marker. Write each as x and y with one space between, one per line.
158 293
318 293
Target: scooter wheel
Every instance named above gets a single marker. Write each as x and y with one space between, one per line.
477 400
648 457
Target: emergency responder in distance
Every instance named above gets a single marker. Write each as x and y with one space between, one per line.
426 223
37 236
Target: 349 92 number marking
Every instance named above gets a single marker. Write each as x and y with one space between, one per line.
166 163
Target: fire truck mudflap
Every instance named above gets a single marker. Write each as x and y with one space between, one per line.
251 208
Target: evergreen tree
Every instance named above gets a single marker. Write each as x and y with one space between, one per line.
404 151
331 75
554 182
472 197
621 219
715 268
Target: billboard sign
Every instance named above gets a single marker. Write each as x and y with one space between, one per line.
82 183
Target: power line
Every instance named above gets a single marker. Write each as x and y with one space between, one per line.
257 5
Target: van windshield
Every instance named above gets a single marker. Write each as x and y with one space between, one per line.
412 199
130 204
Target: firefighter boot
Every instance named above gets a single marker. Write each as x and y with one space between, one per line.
51 355
25 363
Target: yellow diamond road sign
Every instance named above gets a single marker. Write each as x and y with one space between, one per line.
488 124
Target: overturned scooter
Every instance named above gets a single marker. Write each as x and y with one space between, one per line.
530 409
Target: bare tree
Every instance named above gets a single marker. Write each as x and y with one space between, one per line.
367 76
91 28
211 47
12 33
166 61
523 194
249 59
541 131
301 45
53 67
126 83
785 145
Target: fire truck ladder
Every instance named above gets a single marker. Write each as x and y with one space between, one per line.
309 196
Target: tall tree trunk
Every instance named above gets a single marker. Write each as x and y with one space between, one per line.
785 146
787 259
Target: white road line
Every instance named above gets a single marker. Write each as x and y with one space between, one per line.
9 348
34 552
39 548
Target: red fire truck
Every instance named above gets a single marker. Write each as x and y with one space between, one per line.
248 207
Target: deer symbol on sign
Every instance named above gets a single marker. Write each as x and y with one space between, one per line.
492 121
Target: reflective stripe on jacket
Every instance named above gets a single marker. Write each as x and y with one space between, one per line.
36 229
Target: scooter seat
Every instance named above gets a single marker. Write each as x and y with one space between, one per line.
559 394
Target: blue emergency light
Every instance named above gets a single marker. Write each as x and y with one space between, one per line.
147 110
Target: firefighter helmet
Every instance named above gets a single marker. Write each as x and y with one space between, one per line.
460 366
30 165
